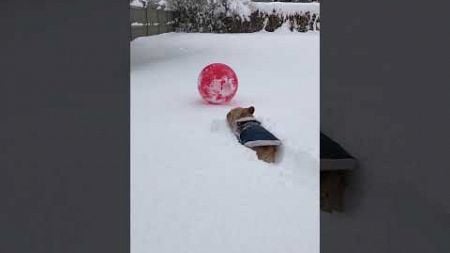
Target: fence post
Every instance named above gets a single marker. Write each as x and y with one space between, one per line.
146 20
158 20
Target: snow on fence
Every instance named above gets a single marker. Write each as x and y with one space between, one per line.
294 16
300 17
150 20
252 17
286 9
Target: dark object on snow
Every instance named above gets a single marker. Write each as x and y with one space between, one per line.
251 134
330 149
335 163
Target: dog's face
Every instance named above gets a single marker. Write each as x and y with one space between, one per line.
238 113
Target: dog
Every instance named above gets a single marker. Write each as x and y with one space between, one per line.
251 134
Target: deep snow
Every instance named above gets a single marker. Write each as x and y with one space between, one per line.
194 188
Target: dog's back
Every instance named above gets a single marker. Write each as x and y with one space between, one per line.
251 134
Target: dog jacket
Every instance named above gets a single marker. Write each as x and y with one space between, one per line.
250 133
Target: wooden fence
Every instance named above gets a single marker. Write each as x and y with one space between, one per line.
150 21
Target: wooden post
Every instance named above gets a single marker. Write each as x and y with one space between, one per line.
332 185
147 21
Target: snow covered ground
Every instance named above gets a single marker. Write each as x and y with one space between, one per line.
194 188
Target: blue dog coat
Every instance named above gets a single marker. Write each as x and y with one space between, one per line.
251 134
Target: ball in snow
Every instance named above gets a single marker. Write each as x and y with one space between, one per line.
217 83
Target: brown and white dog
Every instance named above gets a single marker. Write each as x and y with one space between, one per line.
251 134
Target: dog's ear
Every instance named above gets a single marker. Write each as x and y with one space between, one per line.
251 109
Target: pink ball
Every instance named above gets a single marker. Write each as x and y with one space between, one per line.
217 83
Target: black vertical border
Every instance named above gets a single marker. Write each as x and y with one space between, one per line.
64 134
385 97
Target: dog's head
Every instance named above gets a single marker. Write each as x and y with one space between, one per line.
238 113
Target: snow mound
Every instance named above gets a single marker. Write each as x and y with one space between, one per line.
159 4
138 3
240 8
284 28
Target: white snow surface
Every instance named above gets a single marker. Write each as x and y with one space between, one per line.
240 7
284 28
285 9
194 188
137 24
137 3
142 3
